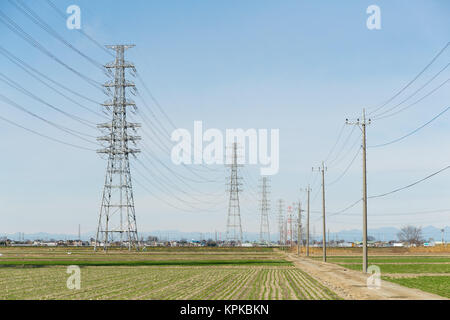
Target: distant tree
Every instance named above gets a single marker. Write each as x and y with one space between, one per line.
370 238
410 235
152 239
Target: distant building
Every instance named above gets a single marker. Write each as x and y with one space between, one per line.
398 244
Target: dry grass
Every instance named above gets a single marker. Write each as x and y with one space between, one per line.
437 250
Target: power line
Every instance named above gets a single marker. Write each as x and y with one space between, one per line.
335 144
169 182
60 127
10 56
161 109
393 214
19 88
33 16
24 35
333 161
415 102
412 132
64 17
168 203
409 185
385 194
156 182
165 149
412 81
380 115
346 170
53 88
45 136
182 178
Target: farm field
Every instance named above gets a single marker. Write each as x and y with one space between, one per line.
435 284
153 256
231 273
429 271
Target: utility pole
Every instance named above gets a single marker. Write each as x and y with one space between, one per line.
442 231
264 234
117 213
362 125
322 169
307 223
324 240
234 227
299 229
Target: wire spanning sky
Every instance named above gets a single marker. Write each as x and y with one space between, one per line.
302 67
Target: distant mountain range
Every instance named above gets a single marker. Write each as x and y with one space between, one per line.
383 234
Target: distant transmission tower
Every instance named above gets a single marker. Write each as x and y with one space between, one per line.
234 227
281 219
117 214
289 226
264 234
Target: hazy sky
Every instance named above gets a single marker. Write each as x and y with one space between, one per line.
302 67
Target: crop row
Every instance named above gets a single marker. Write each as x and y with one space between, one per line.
157 282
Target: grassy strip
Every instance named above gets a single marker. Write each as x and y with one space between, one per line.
439 285
405 268
38 263
389 259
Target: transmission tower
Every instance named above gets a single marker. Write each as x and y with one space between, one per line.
281 219
289 226
234 227
264 234
117 213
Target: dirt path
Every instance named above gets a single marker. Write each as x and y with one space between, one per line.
351 285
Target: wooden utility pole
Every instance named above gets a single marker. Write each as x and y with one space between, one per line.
365 255
362 124
307 225
299 229
324 238
322 169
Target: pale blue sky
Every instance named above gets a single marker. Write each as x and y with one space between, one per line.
299 66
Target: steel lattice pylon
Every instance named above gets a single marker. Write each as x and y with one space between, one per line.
264 234
117 212
281 220
234 227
